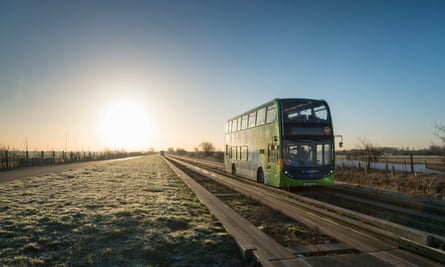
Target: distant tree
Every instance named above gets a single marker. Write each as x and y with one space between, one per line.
436 150
171 150
4 156
372 153
207 147
440 132
181 151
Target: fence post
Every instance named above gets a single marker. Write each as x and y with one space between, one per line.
368 163
412 162
6 159
26 158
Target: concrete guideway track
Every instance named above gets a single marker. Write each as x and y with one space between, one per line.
425 208
253 243
431 211
374 251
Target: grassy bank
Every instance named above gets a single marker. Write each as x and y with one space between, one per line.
123 213
416 184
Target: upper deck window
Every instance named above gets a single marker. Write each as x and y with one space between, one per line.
252 119
244 122
305 111
271 113
261 116
234 125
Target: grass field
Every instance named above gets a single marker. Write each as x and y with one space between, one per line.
123 213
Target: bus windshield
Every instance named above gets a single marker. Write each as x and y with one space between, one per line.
308 154
305 111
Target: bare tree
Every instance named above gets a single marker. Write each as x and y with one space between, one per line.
207 147
372 153
440 131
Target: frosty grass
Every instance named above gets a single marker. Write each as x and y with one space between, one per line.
121 213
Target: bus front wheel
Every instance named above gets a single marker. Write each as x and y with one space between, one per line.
260 176
233 170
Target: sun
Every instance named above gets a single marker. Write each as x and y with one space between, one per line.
127 125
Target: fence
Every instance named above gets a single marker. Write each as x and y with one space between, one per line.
19 159
403 167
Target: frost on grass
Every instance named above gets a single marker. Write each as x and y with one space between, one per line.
122 213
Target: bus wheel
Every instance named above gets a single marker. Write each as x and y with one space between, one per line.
233 170
260 176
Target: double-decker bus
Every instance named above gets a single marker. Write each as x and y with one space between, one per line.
283 143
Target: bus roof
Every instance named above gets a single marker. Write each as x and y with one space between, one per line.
276 100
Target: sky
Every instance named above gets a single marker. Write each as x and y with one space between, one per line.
90 75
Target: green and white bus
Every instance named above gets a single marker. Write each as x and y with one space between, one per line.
283 143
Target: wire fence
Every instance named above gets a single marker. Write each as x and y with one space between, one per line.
12 159
388 166
398 163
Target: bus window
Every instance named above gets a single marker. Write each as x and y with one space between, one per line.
244 122
261 116
244 155
321 112
271 113
234 125
324 154
239 123
252 119
298 155
305 112
233 153
308 154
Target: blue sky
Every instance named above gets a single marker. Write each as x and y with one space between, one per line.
191 65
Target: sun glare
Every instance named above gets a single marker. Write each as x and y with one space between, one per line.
127 125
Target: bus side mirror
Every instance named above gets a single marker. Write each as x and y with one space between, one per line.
340 144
